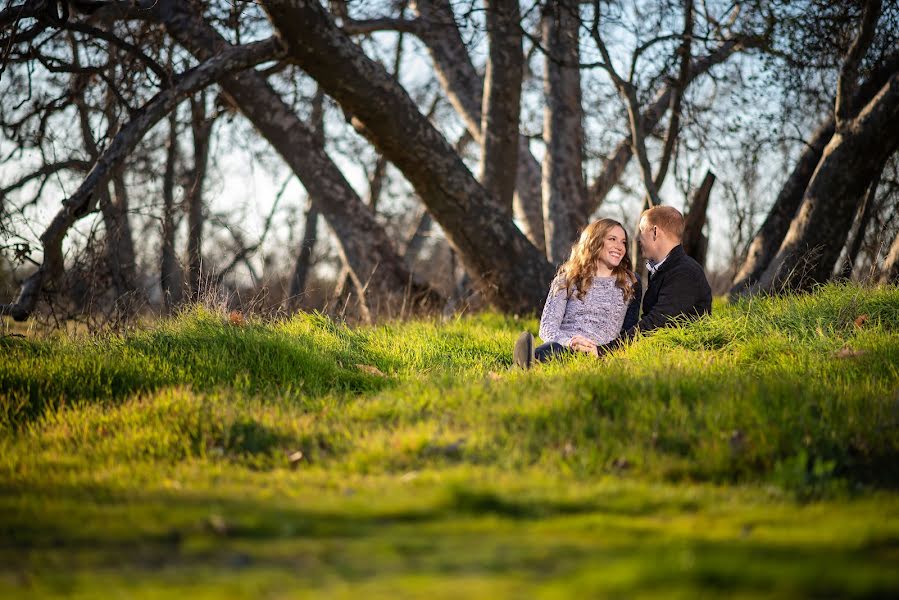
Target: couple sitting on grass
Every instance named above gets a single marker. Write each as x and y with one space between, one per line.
594 300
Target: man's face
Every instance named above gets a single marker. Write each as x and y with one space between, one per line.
648 236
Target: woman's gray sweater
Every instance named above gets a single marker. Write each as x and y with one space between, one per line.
598 317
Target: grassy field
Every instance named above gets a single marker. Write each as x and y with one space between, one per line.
751 454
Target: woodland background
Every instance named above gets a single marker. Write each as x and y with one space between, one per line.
432 155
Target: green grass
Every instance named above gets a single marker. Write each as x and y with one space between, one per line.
754 453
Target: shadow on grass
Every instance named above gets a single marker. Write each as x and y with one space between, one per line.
39 375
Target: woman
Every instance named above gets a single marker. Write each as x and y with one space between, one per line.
594 295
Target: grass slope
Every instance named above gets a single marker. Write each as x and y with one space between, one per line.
754 453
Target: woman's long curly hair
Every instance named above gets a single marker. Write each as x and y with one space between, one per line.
578 271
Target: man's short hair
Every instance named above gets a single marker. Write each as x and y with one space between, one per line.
666 218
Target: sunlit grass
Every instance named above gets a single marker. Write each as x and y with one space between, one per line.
752 453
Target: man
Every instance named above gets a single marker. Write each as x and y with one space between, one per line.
677 284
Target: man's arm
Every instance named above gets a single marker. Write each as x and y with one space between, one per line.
679 295
633 309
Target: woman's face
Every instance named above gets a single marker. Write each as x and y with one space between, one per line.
613 248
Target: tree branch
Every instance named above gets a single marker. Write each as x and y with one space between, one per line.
677 96
84 200
45 171
848 83
369 26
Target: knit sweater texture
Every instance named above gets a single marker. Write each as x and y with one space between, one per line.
598 317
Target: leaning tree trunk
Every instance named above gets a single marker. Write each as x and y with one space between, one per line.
866 134
564 191
510 271
502 102
464 89
861 229
767 241
695 243
376 268
850 161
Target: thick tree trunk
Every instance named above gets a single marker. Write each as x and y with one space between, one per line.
84 200
564 192
170 270
861 228
502 100
850 162
201 128
465 89
695 243
510 270
767 241
376 267
765 244
120 244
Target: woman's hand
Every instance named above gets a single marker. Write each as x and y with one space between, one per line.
581 344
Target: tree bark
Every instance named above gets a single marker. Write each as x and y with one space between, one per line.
695 243
304 258
376 267
850 162
417 239
767 241
465 90
564 191
201 129
510 270
502 102
170 271
118 242
864 218
765 244
310 225
84 200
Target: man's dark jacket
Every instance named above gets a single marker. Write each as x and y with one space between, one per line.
678 288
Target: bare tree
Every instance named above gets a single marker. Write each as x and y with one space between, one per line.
363 243
201 130
169 270
83 201
564 190
865 136
501 107
310 224
510 271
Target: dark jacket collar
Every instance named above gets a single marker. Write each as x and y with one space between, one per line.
677 253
